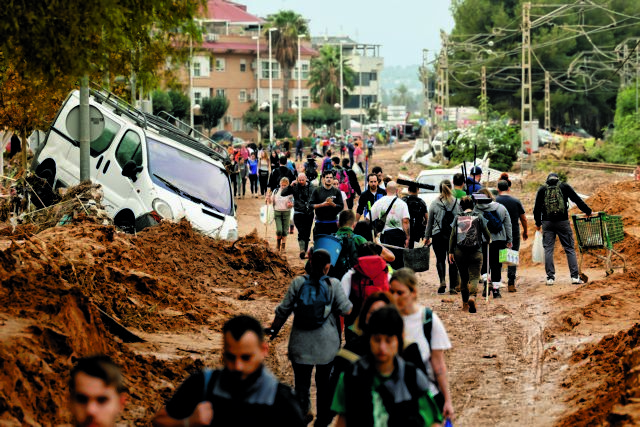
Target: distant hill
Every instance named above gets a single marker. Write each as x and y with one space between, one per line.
393 76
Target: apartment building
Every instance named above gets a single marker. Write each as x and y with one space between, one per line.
366 62
226 63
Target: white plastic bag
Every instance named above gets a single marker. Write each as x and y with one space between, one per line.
266 214
537 251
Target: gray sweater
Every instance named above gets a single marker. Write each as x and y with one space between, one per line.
436 214
506 233
318 346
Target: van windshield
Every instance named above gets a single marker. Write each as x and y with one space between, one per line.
190 176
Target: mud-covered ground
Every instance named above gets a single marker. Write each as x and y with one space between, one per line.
561 355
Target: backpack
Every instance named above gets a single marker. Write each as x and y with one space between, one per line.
362 287
554 200
313 304
326 164
494 223
347 258
468 231
344 184
417 210
310 170
446 224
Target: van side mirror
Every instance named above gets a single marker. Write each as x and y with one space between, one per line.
130 170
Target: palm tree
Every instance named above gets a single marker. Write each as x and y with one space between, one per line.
324 77
285 44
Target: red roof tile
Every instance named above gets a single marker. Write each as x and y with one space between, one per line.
222 10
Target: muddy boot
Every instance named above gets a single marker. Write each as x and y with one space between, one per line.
484 290
511 285
496 293
472 305
465 306
442 290
278 245
283 244
291 229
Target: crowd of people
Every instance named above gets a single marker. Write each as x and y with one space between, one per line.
377 353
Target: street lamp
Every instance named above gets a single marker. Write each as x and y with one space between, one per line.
271 88
191 81
300 36
258 73
341 89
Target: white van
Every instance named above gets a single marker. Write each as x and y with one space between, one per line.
148 168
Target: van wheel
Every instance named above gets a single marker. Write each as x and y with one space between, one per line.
125 222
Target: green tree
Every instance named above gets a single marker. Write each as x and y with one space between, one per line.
180 104
161 102
212 110
289 26
256 118
324 77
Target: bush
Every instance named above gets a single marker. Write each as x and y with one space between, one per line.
500 140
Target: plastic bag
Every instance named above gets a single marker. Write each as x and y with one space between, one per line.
537 251
266 214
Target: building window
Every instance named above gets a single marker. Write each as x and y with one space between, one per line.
220 92
265 69
197 97
305 70
373 76
276 100
242 96
305 102
243 65
196 69
220 64
236 125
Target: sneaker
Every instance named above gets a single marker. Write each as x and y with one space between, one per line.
512 288
453 292
496 293
442 290
550 282
577 281
472 305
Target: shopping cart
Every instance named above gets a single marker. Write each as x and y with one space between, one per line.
599 232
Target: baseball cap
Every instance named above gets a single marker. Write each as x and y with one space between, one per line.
476 170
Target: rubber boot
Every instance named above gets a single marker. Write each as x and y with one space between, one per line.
472 305
278 245
465 306
283 244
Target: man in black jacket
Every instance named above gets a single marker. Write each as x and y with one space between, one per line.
327 202
371 195
281 172
550 213
301 189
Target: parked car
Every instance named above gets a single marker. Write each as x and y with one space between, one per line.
433 177
145 165
548 139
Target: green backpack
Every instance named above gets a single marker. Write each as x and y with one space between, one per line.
554 201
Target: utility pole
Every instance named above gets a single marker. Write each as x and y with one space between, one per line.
483 95
547 101
526 114
445 75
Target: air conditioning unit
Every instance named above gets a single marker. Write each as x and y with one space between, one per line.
212 37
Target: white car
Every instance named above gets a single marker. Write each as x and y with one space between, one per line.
145 165
433 177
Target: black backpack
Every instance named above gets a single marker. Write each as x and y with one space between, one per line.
313 304
311 170
417 210
494 223
347 258
447 220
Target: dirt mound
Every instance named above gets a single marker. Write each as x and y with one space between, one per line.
168 278
599 382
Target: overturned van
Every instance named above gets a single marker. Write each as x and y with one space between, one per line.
147 166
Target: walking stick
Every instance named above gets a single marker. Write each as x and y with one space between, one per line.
489 284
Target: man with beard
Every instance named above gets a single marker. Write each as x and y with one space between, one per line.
97 392
369 196
327 202
244 393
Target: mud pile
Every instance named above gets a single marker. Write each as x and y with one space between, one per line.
54 284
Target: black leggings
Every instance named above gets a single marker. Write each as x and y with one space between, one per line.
264 179
253 181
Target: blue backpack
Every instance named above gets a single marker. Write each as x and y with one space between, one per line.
313 304
494 223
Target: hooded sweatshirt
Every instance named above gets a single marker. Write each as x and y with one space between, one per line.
568 193
436 214
506 233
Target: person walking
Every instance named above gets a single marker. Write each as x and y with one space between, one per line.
244 393
301 190
473 180
442 213
431 337
465 249
499 225
516 212
299 148
243 171
327 203
356 191
314 339
419 215
253 174
282 205
458 186
351 149
551 215
381 388
396 223
234 169
358 154
263 172
281 172
369 197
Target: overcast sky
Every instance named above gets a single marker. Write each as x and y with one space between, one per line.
403 28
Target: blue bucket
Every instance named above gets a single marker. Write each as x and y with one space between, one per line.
329 243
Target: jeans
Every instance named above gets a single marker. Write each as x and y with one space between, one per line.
282 219
324 228
562 229
298 154
441 250
512 269
263 176
395 237
303 223
302 380
253 181
468 263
